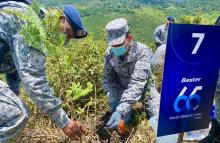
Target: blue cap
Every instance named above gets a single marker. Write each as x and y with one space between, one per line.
170 18
218 21
75 21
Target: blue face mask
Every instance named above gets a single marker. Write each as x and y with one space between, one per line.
119 51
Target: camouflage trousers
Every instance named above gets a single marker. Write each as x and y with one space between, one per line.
13 114
217 106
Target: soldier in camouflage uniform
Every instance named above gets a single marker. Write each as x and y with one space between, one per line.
26 65
127 73
160 33
157 64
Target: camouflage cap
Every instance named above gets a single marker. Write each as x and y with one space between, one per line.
116 31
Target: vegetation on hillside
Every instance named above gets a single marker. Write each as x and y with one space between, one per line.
75 71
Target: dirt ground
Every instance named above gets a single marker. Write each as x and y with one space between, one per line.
41 129
44 131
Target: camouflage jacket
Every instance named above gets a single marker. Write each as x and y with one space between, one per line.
26 64
127 74
160 35
157 61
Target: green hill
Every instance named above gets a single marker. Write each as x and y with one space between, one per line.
143 15
142 22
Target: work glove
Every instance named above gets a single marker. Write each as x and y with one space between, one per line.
114 120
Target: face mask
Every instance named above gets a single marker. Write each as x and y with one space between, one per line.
119 51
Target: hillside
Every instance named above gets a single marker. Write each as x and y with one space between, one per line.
143 15
76 71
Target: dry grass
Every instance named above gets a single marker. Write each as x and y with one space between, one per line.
43 132
41 129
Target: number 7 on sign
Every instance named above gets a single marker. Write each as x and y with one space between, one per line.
201 37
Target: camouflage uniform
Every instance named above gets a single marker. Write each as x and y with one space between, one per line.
157 60
160 35
24 64
126 79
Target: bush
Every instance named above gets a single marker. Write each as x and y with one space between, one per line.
74 70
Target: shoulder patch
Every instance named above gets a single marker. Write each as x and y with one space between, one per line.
37 59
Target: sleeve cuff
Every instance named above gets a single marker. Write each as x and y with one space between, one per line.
123 108
60 118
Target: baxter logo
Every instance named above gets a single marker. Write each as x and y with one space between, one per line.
189 103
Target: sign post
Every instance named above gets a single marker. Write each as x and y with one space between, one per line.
189 79
180 138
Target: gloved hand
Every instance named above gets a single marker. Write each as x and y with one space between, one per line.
114 120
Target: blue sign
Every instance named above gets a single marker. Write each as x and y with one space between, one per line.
190 76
